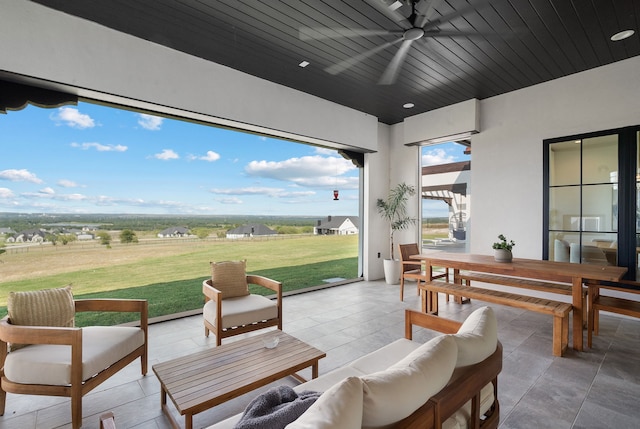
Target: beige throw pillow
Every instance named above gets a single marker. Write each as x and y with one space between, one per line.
230 278
47 307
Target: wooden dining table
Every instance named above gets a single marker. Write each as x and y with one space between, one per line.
565 272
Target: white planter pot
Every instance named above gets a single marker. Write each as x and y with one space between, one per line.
392 270
502 255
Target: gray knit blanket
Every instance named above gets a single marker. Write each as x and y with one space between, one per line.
276 408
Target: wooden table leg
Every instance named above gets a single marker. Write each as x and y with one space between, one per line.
577 314
314 370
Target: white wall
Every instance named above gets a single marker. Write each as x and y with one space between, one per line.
506 156
41 43
376 184
404 166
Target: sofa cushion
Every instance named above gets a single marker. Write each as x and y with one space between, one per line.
384 357
242 310
326 381
477 338
337 408
50 364
47 307
230 278
395 393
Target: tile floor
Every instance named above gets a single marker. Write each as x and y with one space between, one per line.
597 388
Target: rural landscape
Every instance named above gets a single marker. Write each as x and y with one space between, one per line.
169 271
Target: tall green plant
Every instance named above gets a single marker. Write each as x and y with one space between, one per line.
394 210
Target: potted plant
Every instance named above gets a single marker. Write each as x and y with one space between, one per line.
502 249
394 211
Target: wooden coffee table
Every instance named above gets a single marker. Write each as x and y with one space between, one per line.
208 378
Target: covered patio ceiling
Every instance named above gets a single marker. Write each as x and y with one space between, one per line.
468 48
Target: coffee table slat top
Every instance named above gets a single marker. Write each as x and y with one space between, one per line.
210 377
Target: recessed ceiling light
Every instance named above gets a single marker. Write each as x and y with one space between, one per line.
622 35
408 105
304 64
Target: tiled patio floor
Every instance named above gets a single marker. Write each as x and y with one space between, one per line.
597 388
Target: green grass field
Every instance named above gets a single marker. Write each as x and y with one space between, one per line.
172 283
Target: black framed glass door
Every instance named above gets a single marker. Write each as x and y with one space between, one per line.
591 187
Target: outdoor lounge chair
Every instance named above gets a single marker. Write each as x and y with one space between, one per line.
41 353
230 309
412 269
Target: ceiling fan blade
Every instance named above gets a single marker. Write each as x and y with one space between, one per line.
424 11
393 69
456 13
321 33
456 33
350 62
390 12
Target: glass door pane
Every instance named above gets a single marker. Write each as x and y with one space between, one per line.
583 200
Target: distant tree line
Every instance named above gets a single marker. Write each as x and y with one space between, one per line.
20 222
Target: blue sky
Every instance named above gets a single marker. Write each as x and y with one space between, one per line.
95 159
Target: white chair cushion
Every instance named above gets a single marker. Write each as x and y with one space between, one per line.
393 394
242 310
49 364
477 338
340 407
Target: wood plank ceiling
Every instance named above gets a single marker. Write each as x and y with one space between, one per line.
507 44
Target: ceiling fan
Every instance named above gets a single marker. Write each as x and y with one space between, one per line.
416 26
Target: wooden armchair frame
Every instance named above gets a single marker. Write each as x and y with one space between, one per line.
412 269
73 337
213 294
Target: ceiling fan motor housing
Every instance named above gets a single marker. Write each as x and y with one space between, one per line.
413 34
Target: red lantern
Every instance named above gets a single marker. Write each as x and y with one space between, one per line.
335 195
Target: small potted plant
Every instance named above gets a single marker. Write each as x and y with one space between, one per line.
502 249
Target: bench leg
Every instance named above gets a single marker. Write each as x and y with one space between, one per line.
560 334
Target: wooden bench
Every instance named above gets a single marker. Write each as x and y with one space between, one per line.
541 286
613 304
559 310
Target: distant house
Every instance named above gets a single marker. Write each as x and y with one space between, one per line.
30 236
7 231
174 231
337 225
250 230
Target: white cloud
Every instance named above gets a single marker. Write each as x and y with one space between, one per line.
100 147
325 151
73 118
47 190
22 175
166 154
49 194
6 193
149 122
264 191
67 183
230 200
437 157
309 171
209 157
